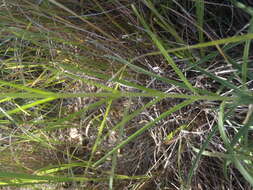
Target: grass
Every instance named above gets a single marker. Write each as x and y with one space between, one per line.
126 94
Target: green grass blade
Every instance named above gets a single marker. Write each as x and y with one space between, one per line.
59 123
233 39
22 87
81 18
246 56
27 106
143 129
164 52
226 140
244 7
102 126
8 178
98 75
198 157
122 94
138 69
168 26
129 117
225 83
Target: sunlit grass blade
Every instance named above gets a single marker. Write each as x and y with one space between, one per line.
27 106
173 133
56 168
8 178
22 87
121 131
125 94
233 39
100 130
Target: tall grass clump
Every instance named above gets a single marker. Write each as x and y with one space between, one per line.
126 94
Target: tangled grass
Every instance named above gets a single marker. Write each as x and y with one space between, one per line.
122 94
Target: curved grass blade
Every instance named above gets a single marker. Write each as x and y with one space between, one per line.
244 7
231 151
